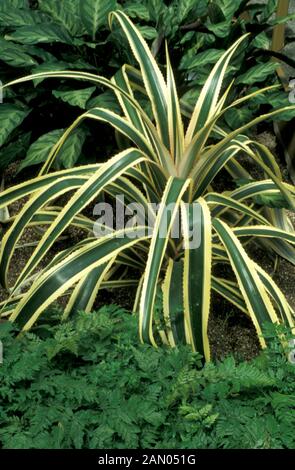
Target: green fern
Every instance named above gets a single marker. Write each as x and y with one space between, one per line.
88 384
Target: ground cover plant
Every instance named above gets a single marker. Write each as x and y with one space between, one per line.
80 384
48 35
168 160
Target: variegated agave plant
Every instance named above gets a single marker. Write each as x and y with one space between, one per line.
165 164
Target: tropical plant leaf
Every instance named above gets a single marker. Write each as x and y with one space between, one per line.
14 55
136 9
11 116
71 149
75 97
15 17
237 117
39 150
14 150
65 13
104 100
40 34
258 73
148 32
221 29
203 58
94 14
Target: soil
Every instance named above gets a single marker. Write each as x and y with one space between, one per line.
230 331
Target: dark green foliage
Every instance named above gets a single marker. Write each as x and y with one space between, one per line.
49 35
88 384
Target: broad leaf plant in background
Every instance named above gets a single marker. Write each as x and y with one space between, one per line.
48 35
170 159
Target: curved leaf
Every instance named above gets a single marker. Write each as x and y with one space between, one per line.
168 209
197 273
258 303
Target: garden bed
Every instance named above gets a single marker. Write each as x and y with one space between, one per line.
230 332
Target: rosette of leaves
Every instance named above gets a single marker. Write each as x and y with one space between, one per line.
173 163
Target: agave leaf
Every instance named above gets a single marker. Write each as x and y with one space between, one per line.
197 274
60 277
254 293
153 79
108 172
173 303
172 196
